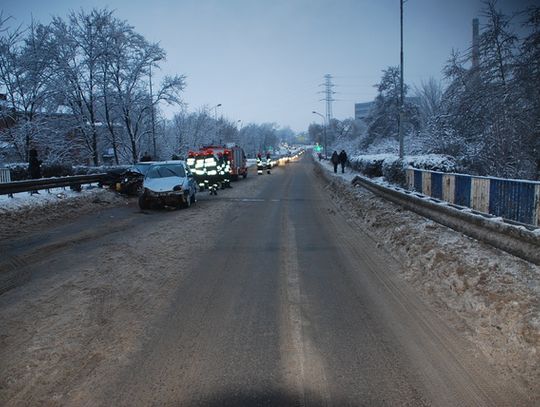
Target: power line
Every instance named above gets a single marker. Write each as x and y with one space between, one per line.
328 98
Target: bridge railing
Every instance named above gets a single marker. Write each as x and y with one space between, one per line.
516 200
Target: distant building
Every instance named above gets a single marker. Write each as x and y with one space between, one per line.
361 110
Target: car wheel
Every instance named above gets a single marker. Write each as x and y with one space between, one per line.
144 202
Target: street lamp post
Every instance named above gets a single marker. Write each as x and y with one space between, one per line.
215 119
401 95
324 131
238 122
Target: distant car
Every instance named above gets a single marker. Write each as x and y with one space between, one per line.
168 183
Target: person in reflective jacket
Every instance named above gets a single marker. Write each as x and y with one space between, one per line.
195 163
268 162
222 170
211 171
260 164
226 170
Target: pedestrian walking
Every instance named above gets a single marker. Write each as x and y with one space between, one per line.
335 160
34 165
343 160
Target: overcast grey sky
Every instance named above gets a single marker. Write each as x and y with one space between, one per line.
264 59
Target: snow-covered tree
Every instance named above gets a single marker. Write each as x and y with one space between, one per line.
78 48
383 119
483 120
25 72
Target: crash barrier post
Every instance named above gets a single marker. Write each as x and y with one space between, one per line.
515 200
5 175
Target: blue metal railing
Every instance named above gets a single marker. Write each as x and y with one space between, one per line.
510 199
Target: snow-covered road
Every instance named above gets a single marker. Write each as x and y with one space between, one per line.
289 289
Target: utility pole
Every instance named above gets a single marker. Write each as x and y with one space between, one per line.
475 44
152 114
152 111
401 96
328 98
215 120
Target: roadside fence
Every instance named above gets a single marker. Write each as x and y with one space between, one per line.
515 200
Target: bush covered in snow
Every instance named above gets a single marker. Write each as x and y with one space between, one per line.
369 165
19 171
393 169
49 170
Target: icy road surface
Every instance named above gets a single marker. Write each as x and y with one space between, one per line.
263 295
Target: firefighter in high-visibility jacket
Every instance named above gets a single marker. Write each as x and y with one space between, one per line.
260 164
190 161
195 163
268 163
225 169
212 177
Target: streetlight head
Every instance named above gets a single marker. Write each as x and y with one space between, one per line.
218 105
314 111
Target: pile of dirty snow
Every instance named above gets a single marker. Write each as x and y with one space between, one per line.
490 295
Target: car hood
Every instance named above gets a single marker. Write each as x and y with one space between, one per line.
164 184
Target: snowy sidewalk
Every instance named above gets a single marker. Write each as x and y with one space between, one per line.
329 167
489 295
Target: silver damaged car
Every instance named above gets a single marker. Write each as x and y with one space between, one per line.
168 183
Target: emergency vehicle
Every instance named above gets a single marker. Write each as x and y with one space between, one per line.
235 155
237 158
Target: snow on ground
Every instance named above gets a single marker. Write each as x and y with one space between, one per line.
24 200
489 295
26 210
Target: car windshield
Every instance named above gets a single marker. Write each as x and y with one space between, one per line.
166 170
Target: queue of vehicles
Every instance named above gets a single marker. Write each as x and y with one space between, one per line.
176 182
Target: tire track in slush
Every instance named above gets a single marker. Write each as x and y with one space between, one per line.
302 361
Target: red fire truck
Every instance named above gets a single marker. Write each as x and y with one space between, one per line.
237 158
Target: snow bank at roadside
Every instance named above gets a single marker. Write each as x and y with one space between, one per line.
492 296
25 210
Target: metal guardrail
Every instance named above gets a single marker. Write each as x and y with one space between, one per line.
76 181
512 238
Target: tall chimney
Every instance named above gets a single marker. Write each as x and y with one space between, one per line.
475 44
